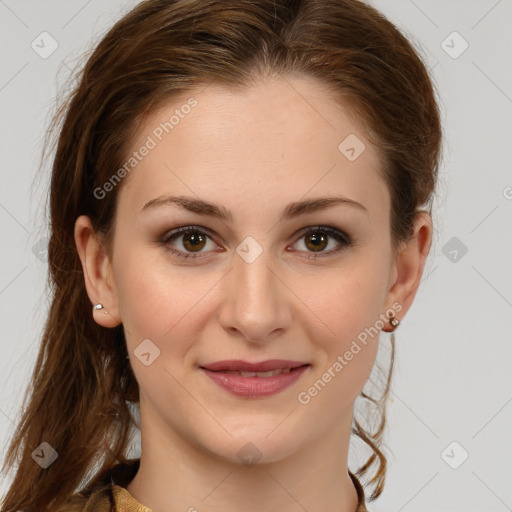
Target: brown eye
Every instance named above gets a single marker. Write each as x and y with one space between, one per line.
188 242
316 241
320 238
193 241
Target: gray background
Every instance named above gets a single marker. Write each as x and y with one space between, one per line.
452 379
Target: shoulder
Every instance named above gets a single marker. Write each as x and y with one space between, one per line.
99 501
100 494
125 502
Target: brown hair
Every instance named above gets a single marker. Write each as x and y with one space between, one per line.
82 380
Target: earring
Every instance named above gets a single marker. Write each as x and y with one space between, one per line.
394 323
99 306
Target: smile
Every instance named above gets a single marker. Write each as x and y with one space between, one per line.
255 380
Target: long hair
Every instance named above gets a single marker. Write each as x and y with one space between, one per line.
82 382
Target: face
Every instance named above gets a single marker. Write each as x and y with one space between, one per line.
258 276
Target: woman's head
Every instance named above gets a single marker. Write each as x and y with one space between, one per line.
249 107
162 49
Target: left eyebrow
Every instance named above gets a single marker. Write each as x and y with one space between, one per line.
292 210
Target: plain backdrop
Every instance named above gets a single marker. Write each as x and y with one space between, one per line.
450 409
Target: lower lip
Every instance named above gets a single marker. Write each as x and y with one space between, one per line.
254 387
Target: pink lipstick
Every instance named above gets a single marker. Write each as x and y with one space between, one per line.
254 380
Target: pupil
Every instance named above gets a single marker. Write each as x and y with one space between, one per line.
317 240
193 239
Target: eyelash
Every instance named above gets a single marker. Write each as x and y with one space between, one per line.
344 239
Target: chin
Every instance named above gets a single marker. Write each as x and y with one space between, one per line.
250 446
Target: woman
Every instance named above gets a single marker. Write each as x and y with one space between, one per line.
239 206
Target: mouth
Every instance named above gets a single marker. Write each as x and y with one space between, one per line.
253 380
238 365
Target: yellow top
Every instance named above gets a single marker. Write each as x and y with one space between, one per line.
125 502
114 497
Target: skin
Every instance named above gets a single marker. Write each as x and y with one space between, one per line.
252 151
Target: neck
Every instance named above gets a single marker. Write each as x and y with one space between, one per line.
176 475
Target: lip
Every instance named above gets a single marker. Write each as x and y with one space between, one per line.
254 387
245 366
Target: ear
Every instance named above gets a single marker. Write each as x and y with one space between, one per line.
97 273
409 264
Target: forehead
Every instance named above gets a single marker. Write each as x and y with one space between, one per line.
274 141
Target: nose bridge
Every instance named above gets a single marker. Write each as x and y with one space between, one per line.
255 305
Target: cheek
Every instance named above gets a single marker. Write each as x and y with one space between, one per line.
159 302
349 302
348 299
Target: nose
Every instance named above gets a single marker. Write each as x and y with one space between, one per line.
255 301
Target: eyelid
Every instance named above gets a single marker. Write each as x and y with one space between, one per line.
343 238
177 232
331 231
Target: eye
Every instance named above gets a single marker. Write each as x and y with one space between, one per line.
193 240
317 239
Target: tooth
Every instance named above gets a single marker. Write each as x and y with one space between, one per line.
269 373
286 370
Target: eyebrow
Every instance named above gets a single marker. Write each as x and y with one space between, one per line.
292 210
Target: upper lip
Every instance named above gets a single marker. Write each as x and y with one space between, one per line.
245 366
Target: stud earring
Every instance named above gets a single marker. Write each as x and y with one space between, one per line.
394 323
99 306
